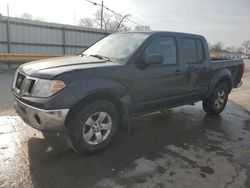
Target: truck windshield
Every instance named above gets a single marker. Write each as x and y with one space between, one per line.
116 47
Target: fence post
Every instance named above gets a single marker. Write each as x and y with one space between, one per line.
64 42
8 35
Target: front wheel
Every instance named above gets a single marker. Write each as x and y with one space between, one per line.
94 127
216 103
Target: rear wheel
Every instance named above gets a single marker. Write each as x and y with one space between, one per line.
216 103
94 127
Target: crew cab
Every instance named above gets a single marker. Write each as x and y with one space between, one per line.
92 95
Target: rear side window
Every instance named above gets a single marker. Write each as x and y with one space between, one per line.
165 46
193 50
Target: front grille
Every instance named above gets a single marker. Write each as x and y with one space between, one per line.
24 84
19 80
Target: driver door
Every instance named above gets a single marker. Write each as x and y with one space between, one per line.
160 85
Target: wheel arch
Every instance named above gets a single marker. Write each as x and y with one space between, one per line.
223 76
101 95
227 80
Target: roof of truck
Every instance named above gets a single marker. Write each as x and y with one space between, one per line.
162 32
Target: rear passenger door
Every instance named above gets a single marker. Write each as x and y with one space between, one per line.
195 65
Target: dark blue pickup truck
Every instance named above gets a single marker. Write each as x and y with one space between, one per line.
91 96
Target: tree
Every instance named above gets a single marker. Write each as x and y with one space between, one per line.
30 17
110 22
240 50
86 22
231 49
115 22
228 49
142 28
119 23
106 19
246 46
40 19
27 16
217 46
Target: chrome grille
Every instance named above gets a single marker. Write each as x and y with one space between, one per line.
19 80
23 84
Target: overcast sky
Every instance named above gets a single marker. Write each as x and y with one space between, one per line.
217 20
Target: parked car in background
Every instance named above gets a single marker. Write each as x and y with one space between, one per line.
245 57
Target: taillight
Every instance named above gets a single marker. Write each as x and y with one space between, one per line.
242 68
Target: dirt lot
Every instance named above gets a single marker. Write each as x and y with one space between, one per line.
181 148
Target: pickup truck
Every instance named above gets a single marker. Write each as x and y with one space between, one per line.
92 95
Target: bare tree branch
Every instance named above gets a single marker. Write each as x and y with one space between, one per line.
27 16
31 17
86 22
142 28
246 45
217 46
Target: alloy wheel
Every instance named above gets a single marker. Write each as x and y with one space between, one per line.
97 128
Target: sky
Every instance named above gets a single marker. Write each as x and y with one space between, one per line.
218 20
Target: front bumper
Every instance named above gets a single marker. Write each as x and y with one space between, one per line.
41 119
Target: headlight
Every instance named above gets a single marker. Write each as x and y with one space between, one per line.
46 88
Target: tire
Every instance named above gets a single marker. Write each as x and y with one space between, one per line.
216 103
94 127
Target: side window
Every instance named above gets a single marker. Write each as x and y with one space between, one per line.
193 50
165 46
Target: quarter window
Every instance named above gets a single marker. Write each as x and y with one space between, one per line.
165 46
193 50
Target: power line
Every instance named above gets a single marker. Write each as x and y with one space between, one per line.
114 12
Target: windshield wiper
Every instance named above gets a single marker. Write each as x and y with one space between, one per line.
101 57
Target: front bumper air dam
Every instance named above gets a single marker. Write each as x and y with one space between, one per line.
41 119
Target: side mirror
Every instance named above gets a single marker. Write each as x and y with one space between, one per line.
153 59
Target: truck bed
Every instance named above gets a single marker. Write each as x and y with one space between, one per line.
235 66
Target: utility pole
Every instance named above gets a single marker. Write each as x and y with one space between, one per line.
8 29
123 17
101 14
8 11
74 18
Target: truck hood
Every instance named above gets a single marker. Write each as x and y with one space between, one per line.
49 68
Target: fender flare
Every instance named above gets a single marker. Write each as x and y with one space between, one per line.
218 77
117 94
